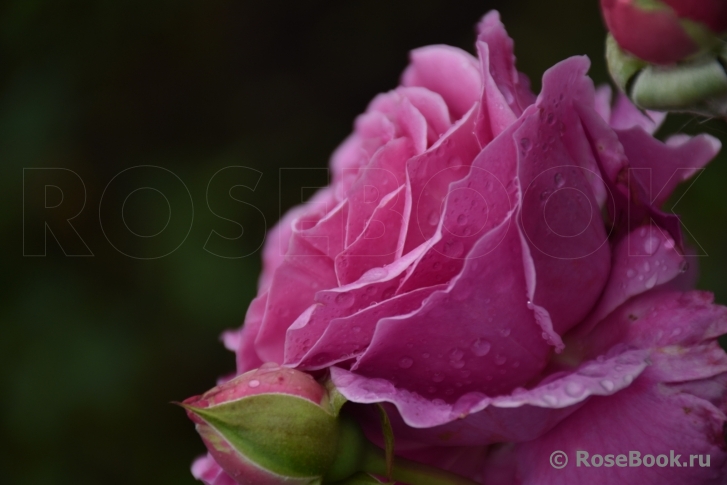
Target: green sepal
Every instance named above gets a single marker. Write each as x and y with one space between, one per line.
288 435
336 400
694 87
622 65
361 479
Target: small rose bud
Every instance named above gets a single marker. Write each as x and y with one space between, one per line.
666 31
276 425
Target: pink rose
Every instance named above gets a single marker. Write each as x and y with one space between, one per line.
496 268
665 31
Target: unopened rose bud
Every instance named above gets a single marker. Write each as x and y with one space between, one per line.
668 55
696 86
276 425
665 31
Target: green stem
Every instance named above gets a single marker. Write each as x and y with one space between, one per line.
410 472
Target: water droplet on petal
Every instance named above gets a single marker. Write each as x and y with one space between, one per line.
345 299
456 354
574 389
462 220
683 266
500 359
550 400
253 383
505 332
453 248
525 144
651 245
651 282
433 218
630 273
437 377
608 385
481 347
559 181
406 362
457 364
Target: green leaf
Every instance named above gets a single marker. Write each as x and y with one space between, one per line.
285 434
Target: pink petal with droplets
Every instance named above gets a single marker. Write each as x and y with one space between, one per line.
449 72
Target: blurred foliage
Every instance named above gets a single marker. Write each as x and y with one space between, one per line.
93 349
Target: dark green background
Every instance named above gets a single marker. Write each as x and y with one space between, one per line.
92 350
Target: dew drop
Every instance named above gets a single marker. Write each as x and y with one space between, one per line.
651 245
425 355
647 266
253 383
453 249
550 400
550 118
406 362
525 144
500 359
481 347
462 220
356 329
574 389
651 282
456 354
457 364
559 180
630 273
344 299
683 266
669 244
505 332
433 218
608 385
437 377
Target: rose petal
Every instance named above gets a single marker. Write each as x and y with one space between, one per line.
429 176
643 260
303 273
448 71
650 419
506 92
206 469
383 175
379 243
475 419
478 334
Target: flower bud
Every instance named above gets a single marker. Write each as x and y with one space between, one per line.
665 31
276 425
695 86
